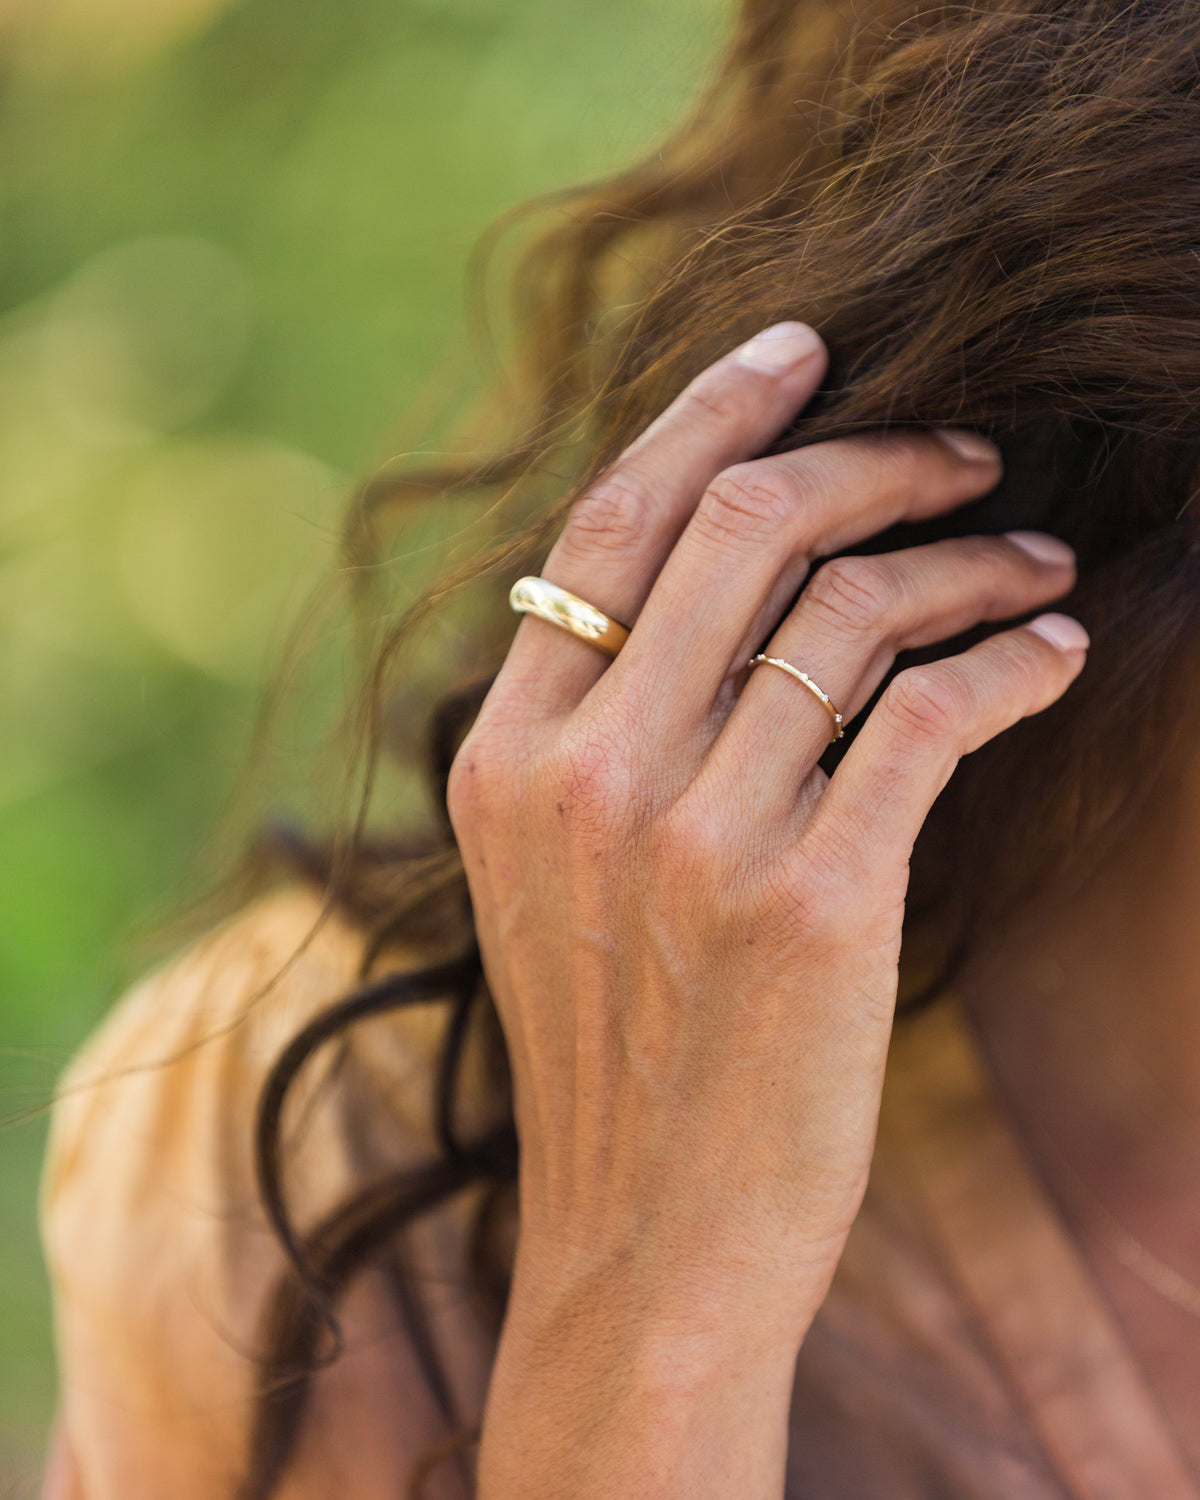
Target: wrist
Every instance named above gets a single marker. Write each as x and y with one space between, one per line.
701 1282
672 1325
605 1386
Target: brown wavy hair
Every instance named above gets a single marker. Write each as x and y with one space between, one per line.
991 211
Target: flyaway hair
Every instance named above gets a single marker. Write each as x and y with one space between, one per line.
991 212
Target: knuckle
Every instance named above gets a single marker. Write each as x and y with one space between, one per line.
476 787
591 779
818 867
805 897
886 466
821 478
460 791
720 401
1027 652
988 562
583 781
895 456
926 703
747 502
816 894
845 905
1017 667
690 838
856 593
986 554
612 514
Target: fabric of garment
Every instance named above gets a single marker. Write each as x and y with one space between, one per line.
964 1351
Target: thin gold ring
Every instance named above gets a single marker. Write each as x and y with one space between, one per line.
537 596
786 666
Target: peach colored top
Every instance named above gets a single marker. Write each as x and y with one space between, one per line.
963 1353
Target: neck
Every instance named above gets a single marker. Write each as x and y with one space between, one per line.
1089 1016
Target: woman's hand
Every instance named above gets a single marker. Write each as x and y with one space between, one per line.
691 933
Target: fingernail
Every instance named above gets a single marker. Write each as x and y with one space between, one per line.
1061 631
1043 547
777 350
968 445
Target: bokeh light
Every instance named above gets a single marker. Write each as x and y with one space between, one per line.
213 605
232 243
145 337
103 35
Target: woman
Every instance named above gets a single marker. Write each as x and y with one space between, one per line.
673 983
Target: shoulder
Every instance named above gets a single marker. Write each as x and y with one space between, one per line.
158 1105
194 1040
245 988
159 1255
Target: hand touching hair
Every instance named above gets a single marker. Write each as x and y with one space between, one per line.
991 212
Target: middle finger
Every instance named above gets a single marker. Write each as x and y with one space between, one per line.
747 548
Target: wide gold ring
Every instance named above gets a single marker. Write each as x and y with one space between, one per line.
786 666
536 596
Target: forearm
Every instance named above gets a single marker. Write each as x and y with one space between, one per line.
610 1387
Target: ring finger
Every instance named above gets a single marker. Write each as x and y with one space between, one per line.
845 631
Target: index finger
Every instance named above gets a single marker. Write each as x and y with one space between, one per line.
622 529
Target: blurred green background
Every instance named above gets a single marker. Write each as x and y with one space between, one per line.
232 247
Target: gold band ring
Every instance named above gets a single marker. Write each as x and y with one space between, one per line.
786 666
535 596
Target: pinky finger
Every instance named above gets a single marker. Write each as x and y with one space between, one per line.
928 718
